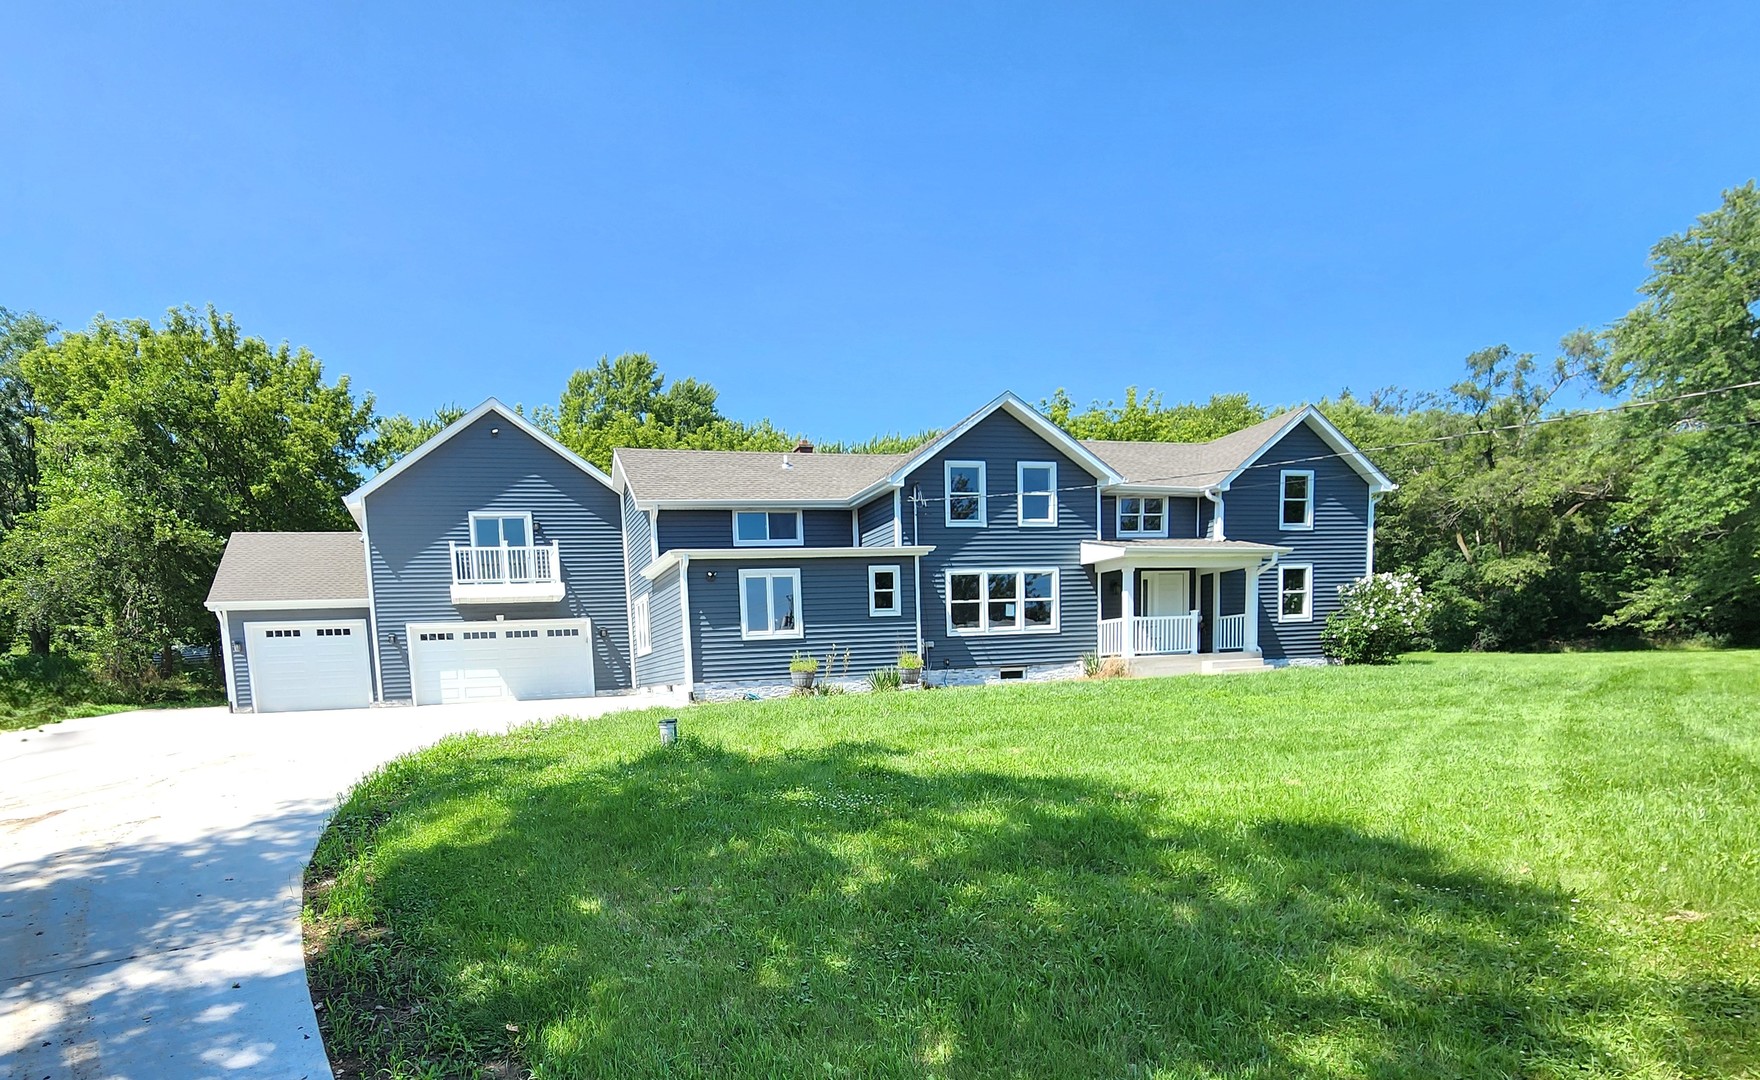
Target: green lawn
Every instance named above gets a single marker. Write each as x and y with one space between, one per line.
38 690
1463 866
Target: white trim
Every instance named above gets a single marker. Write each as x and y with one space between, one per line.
226 659
769 573
897 591
653 534
640 630
377 656
653 570
684 618
499 515
629 588
1021 493
1196 553
1020 627
1369 555
1027 415
285 605
356 499
982 494
917 594
1283 499
800 529
1139 534
855 526
1307 614
1330 435
898 517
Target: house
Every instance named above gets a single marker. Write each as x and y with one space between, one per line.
493 562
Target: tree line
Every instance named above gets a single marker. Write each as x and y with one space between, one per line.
130 451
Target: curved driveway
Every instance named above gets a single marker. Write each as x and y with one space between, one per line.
150 869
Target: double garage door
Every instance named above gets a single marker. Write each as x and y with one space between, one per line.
485 661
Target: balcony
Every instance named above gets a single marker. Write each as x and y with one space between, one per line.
506 574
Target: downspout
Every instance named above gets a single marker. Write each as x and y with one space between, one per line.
226 659
684 625
1215 496
917 569
1369 557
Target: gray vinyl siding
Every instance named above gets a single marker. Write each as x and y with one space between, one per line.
412 519
876 522
714 528
1337 546
833 614
664 666
237 621
1001 441
1185 519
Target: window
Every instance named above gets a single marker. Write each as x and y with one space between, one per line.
334 631
1142 515
521 633
1298 499
435 636
1001 601
494 529
1037 483
281 633
644 644
571 631
883 590
769 604
965 494
766 528
479 635
1295 591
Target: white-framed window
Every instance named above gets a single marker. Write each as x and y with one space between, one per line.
883 591
966 495
1036 481
769 604
492 528
1142 515
644 641
767 528
1295 592
1297 510
1001 601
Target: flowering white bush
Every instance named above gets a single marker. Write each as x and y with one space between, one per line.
1380 617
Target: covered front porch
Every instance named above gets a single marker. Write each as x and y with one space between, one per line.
1178 597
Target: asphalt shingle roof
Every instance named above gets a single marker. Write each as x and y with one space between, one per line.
751 475
283 566
1185 465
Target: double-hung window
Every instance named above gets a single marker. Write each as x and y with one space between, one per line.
1142 515
1295 593
640 631
965 494
1001 601
883 590
1298 499
767 528
769 604
1037 483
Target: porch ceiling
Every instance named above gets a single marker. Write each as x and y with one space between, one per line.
1200 553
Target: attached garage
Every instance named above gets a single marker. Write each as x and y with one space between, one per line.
487 661
298 666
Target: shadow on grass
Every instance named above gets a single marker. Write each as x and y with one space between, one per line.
701 912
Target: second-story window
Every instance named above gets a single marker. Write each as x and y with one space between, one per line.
1298 499
766 528
1038 492
1142 516
494 530
965 494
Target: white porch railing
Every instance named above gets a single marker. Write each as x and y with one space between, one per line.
1111 637
504 565
1231 634
1151 635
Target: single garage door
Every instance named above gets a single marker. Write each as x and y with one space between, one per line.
486 661
299 666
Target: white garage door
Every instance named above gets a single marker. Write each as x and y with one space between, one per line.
485 661
298 666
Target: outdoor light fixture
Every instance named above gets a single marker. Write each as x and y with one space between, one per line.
669 731
238 648
494 433
711 575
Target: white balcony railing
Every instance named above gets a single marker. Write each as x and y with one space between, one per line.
528 572
1231 634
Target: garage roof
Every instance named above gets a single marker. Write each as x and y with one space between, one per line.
288 569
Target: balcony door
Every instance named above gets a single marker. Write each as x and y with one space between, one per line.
494 530
1165 592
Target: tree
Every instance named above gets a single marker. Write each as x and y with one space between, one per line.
397 435
1146 417
19 334
1697 496
627 402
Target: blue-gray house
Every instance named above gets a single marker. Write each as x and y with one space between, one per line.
492 563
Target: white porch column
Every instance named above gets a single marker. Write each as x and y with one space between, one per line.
1252 627
1128 610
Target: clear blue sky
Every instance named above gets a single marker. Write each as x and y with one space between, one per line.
855 221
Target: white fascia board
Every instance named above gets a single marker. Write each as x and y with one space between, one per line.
1332 437
1152 489
1027 415
284 605
358 496
743 504
1096 552
771 554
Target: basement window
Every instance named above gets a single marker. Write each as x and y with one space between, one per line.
1008 674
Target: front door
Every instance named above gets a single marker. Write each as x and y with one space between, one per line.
1166 592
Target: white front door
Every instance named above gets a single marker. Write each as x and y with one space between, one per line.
1166 592
487 661
299 666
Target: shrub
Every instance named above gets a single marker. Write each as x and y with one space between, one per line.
885 678
910 660
1113 667
1090 664
1380 617
803 662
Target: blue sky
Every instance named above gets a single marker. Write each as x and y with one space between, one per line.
862 219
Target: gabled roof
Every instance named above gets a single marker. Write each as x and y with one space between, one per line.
748 477
356 499
1011 403
282 568
1193 467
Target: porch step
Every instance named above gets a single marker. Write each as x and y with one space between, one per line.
1199 664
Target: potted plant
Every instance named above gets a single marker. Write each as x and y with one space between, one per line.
802 669
910 668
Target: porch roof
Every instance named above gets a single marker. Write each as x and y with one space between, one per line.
1179 552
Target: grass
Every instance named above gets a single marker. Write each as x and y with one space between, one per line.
38 690
1542 866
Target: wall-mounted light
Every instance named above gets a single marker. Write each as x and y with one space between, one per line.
238 648
710 575
494 433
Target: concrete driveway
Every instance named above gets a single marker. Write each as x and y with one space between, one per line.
150 869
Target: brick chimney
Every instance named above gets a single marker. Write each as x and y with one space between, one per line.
805 446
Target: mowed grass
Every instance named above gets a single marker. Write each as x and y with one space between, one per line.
1461 866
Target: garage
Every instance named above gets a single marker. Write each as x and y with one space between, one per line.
489 661
295 666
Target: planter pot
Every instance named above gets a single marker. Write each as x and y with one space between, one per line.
910 676
803 680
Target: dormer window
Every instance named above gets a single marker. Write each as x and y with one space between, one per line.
1298 499
767 528
1142 515
965 494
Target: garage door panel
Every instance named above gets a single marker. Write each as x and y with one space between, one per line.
309 665
463 662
